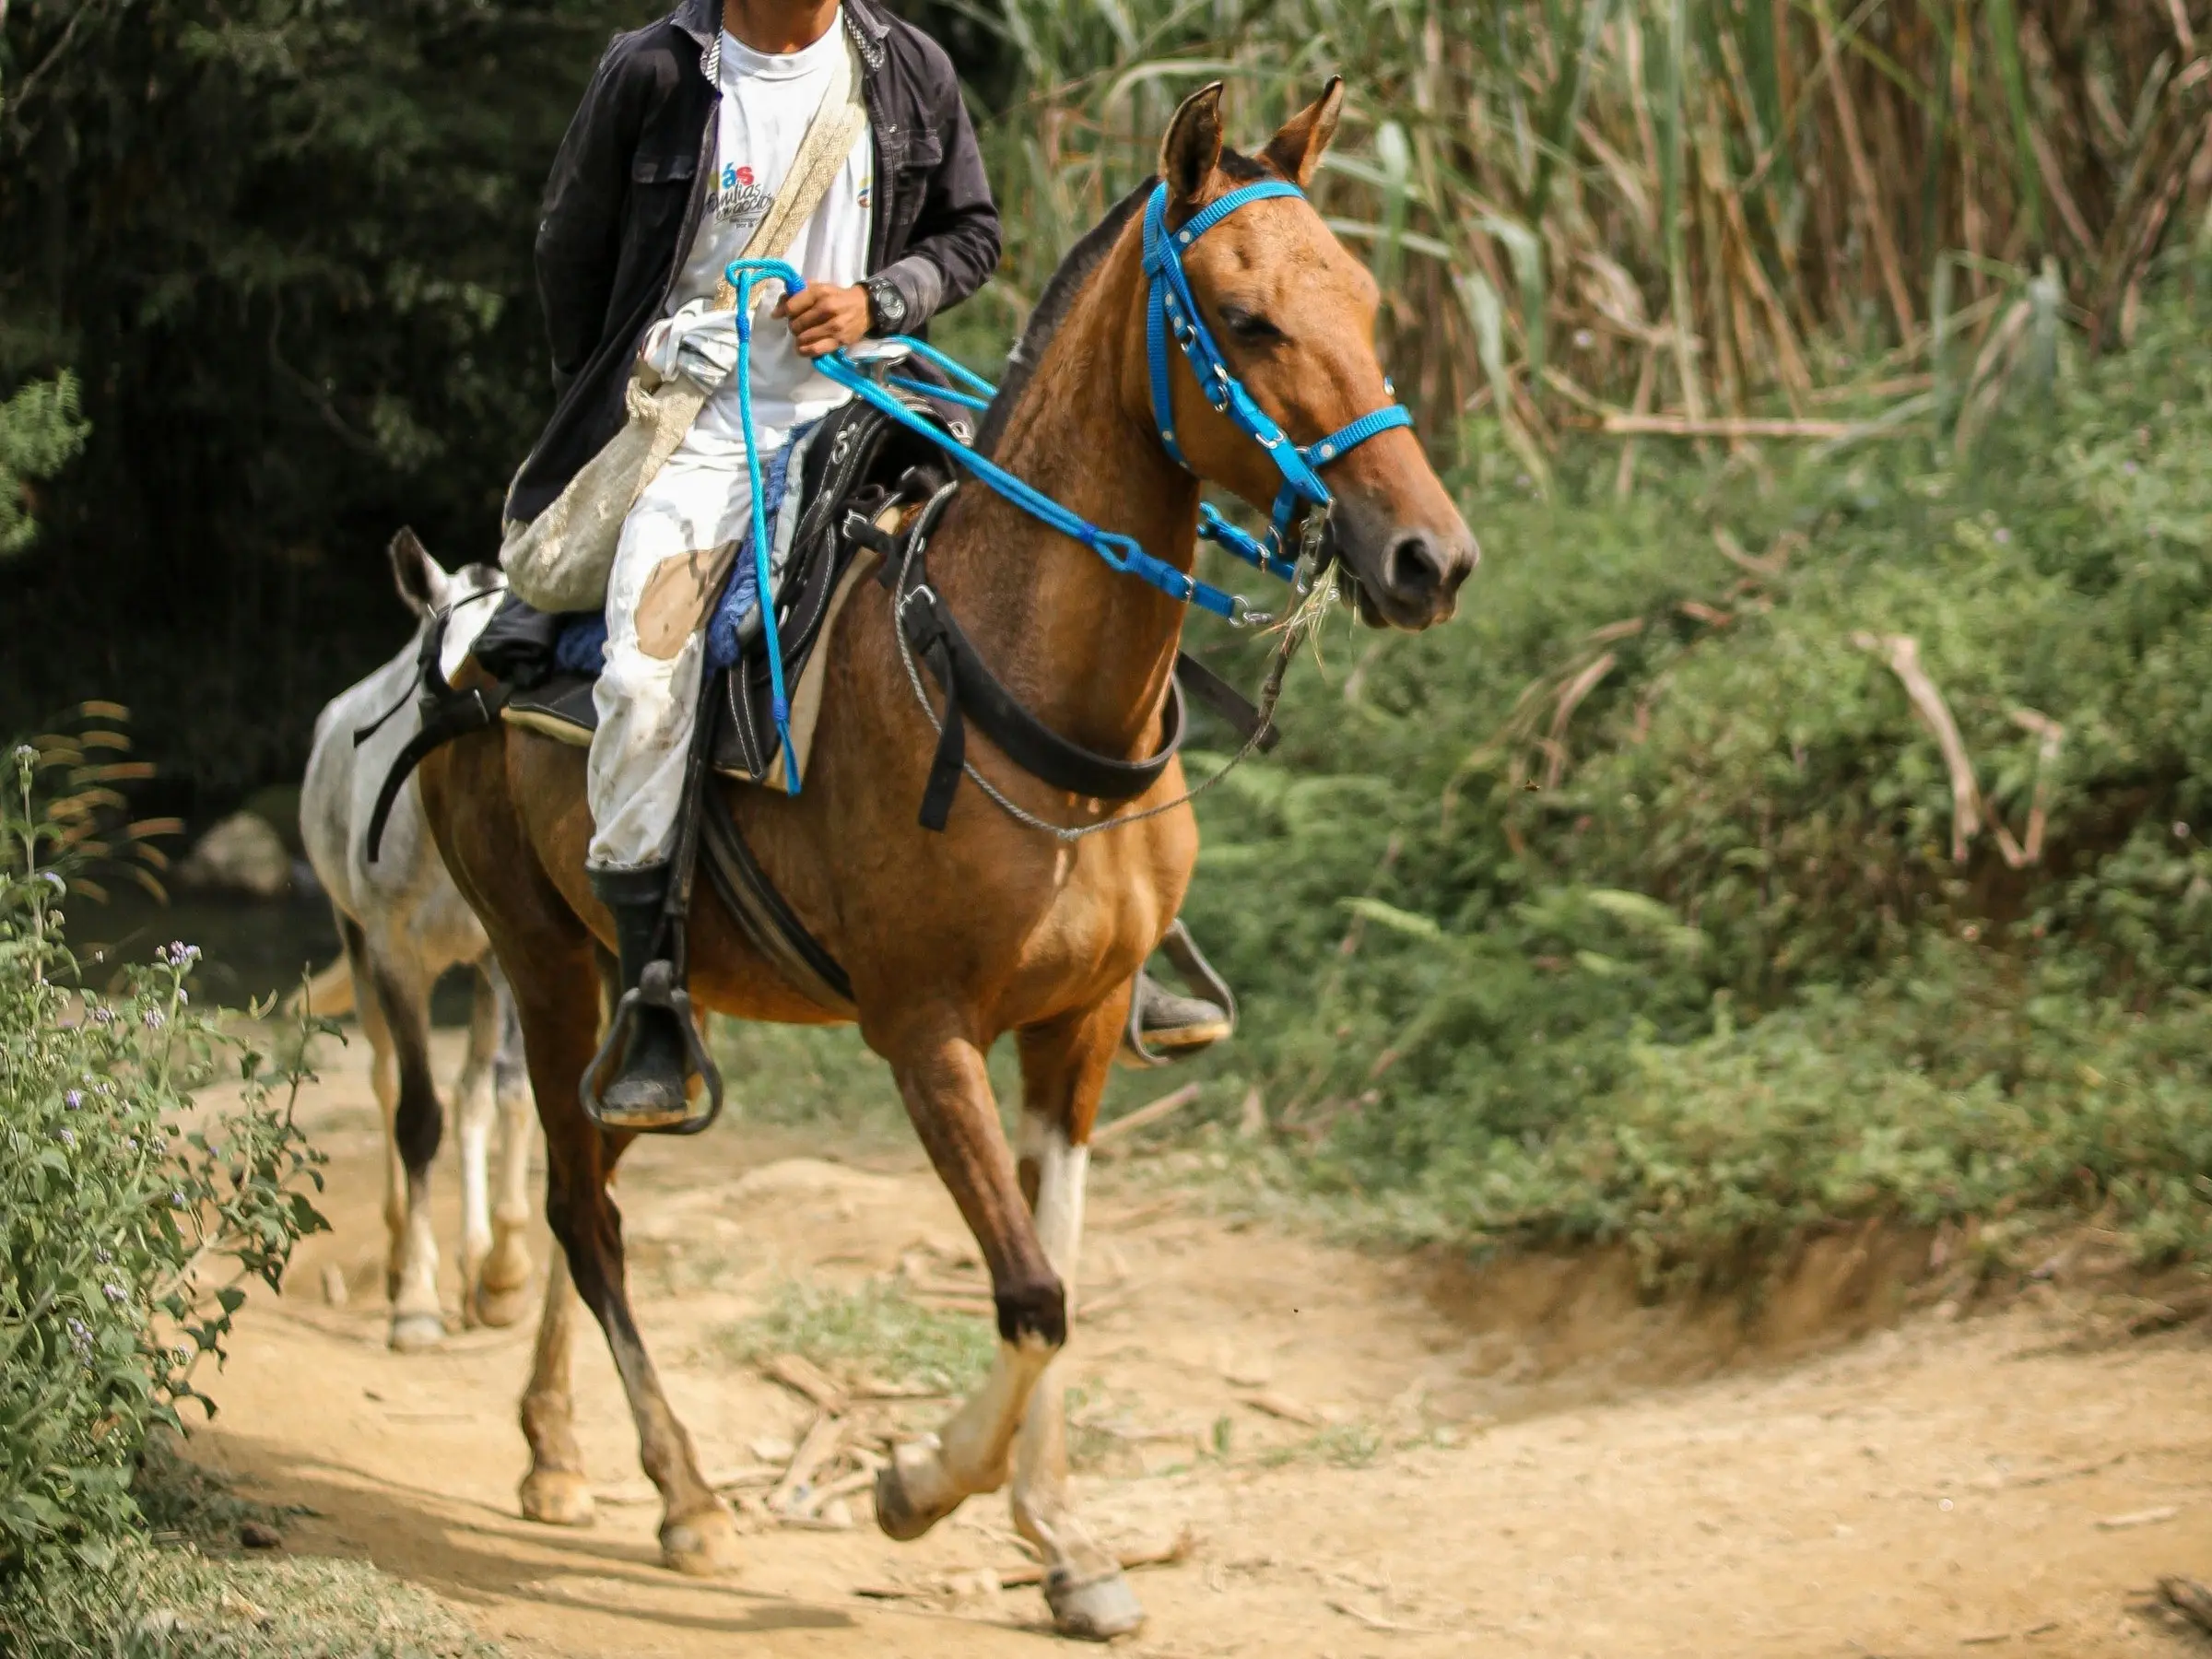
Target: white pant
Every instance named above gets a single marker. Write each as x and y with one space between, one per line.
668 572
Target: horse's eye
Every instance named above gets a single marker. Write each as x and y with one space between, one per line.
1249 325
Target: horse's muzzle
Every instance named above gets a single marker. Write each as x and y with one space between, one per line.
1403 575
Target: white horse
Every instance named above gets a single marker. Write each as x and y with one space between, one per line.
404 923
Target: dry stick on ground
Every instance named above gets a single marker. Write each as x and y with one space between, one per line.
802 1376
1172 1553
1969 809
816 1450
1142 1117
1282 1405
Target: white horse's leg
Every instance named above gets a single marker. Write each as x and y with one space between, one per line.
399 986
1083 1583
383 1081
473 1114
502 1287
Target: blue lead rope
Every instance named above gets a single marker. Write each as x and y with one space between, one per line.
1171 312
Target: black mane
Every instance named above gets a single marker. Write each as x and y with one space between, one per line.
1053 306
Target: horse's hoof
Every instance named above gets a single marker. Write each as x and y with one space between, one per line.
414 1333
1096 1611
703 1545
501 1308
558 1498
904 1507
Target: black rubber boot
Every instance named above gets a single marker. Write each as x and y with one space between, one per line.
1176 1024
648 1091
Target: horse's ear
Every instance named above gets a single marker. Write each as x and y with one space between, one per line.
420 578
1193 146
1295 151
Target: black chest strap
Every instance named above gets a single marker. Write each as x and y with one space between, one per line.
974 692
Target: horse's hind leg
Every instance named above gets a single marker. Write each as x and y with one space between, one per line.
1063 1068
555 1491
398 988
502 1285
383 1079
560 1008
947 1094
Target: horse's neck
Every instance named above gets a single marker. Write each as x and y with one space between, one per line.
1088 649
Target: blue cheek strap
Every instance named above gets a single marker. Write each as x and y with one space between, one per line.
1171 313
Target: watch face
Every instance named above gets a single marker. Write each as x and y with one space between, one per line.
889 305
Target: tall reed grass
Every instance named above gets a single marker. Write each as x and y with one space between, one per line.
1702 216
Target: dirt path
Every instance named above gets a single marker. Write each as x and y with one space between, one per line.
1501 1468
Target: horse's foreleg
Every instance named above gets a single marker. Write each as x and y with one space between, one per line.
948 1095
395 1008
502 1287
471 1116
559 1011
1063 1068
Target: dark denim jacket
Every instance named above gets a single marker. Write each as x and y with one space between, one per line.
633 178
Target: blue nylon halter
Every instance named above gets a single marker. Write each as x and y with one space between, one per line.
1171 312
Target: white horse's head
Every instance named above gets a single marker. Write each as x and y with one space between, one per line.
470 594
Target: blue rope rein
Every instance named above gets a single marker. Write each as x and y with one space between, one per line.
1171 312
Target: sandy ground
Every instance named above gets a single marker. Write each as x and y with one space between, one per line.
1561 1470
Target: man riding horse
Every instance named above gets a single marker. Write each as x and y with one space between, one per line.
689 132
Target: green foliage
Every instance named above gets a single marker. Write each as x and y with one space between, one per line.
287 246
40 434
129 1220
878 1330
1627 906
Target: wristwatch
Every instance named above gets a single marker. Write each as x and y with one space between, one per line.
886 306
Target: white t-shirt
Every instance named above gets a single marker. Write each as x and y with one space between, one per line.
767 102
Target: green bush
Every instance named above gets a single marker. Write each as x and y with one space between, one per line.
128 1218
1692 960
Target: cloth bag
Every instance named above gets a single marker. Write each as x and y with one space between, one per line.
560 559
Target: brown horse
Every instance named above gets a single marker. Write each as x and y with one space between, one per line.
952 940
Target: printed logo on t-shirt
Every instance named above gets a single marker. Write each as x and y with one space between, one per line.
742 201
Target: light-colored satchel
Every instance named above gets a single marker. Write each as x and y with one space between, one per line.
560 559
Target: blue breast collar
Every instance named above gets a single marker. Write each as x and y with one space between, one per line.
1171 312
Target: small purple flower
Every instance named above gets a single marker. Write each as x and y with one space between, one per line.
103 1015
153 1019
130 1142
177 954
80 1339
2128 467
67 1136
74 1099
2002 537
184 997
115 1292
176 1201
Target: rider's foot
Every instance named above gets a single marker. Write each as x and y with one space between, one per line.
648 1092
1172 1025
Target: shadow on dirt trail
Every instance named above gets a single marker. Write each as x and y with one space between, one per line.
1374 1456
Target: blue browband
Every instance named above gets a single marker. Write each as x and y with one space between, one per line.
1170 311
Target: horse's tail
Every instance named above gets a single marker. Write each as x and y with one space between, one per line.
328 995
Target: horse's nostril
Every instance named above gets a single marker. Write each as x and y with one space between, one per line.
1415 568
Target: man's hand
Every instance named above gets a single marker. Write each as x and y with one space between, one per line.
823 318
